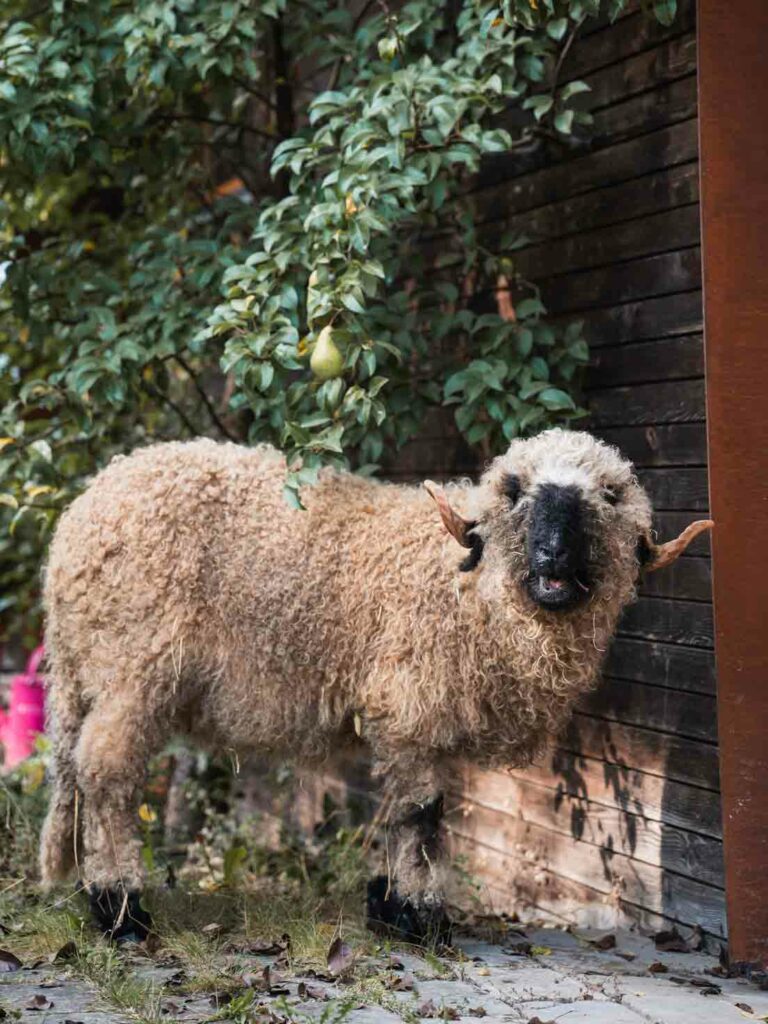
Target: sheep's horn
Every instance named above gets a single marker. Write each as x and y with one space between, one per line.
456 525
664 554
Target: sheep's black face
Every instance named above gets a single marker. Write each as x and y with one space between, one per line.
557 548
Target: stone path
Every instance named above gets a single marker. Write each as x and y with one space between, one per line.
563 978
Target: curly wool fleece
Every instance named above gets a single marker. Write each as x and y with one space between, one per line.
183 595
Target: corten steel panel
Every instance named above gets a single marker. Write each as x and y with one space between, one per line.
733 96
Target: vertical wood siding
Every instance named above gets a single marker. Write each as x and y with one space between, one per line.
622 822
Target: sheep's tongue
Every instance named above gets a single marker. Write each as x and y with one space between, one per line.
553 584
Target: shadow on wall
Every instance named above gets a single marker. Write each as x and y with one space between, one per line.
641 804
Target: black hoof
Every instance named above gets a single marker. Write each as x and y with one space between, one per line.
389 914
119 914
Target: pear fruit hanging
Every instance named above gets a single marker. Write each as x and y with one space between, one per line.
326 360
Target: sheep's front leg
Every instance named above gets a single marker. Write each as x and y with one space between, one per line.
111 756
410 899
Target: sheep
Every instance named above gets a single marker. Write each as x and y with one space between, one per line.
184 596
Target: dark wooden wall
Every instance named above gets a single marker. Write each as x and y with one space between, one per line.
622 822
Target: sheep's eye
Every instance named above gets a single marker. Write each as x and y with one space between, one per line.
611 495
511 487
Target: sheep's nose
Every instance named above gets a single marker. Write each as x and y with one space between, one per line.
552 557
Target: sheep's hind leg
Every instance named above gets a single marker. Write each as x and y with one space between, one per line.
411 902
112 754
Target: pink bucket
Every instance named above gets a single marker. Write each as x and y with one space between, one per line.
25 717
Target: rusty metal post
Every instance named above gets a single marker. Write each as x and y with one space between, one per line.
733 106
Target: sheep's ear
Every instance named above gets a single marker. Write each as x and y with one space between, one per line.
656 556
456 525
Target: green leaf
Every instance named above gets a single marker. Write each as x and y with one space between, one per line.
529 307
665 11
573 89
564 121
556 28
556 399
352 304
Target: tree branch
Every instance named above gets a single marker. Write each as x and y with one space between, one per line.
157 393
204 398
565 51
239 125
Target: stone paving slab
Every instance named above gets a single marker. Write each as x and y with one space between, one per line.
566 979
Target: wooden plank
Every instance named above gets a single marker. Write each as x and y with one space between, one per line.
508 190
639 197
734 92
682 487
660 232
621 104
527 886
620 122
640 72
586 821
668 359
673 757
680 622
692 715
625 38
629 790
522 842
685 668
648 112
636 279
674 444
686 579
663 402
671 524
542 896
656 317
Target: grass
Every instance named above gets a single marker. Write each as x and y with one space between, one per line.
233 893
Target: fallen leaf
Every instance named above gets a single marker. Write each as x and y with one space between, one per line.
267 981
148 815
312 992
268 947
711 990
657 967
697 941
538 1020
339 957
477 1011
399 982
39 1002
541 951
607 941
745 1007
428 1009
67 952
8 961
671 942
